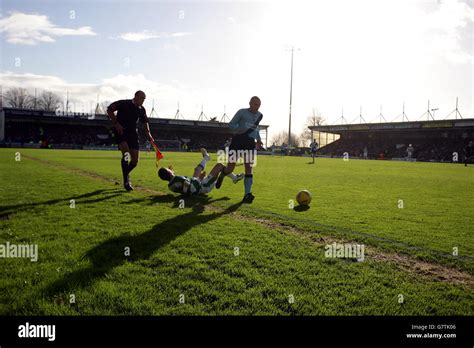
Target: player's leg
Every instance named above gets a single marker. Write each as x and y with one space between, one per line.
208 182
216 170
202 165
126 157
133 145
248 182
229 171
226 171
234 147
198 171
135 155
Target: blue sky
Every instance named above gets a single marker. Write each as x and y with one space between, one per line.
104 56
352 53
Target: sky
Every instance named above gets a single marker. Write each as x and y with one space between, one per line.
213 56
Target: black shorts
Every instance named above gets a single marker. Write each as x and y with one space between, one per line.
130 137
242 142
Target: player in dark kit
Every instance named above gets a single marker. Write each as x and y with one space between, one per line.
468 153
129 111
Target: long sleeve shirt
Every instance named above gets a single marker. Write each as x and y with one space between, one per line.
244 120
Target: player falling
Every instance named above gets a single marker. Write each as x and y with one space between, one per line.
199 183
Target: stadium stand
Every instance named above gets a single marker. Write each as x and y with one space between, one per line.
36 128
432 140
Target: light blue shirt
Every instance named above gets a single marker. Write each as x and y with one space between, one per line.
243 120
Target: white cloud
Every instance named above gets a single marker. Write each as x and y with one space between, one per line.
84 96
31 29
447 25
147 35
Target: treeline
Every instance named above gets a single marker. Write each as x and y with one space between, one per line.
302 139
21 98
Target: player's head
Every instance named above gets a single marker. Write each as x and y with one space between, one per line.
139 98
165 174
254 104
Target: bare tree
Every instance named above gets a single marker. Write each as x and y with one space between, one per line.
282 137
316 119
49 101
103 106
18 98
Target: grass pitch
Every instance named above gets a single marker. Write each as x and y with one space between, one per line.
140 253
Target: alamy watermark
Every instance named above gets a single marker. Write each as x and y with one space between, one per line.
345 251
27 251
37 331
232 156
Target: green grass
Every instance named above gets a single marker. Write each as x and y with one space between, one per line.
190 251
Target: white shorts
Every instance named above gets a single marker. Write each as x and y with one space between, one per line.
207 184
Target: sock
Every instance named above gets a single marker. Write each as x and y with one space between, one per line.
202 164
131 167
232 176
124 165
248 181
225 173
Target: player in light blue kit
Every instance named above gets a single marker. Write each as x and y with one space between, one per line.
244 125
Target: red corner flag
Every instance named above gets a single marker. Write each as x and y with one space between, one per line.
158 152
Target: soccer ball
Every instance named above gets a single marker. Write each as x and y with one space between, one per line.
303 197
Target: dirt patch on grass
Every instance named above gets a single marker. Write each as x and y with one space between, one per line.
427 270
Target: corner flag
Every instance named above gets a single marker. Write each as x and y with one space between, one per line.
158 153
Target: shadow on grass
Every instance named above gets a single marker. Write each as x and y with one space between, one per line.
150 200
6 210
111 253
189 201
301 208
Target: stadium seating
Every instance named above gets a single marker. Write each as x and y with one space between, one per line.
23 128
427 149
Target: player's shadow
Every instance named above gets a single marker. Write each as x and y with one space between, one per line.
301 208
151 200
188 201
100 195
112 253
